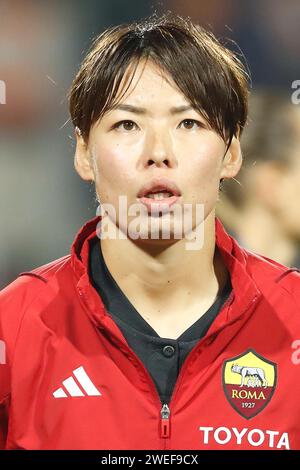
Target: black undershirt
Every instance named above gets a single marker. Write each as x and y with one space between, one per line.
162 357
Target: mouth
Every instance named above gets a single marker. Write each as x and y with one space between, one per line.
159 195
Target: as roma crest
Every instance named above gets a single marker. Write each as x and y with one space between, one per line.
249 382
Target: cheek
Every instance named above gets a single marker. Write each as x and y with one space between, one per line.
114 168
204 165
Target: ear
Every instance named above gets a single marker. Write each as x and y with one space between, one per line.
83 159
232 160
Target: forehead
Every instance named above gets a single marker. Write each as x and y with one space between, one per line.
147 83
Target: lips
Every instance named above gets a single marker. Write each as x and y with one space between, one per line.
158 195
159 185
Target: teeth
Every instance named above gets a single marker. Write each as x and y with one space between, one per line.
159 195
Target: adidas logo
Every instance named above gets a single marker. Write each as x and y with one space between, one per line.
71 386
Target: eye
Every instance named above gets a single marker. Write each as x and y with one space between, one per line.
127 125
191 122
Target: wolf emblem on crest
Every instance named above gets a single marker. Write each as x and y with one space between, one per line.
256 375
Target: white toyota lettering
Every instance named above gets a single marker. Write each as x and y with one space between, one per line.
254 437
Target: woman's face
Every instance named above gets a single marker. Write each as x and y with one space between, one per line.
130 148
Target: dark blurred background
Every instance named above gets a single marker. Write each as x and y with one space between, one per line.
43 201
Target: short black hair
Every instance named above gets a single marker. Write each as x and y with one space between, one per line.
212 78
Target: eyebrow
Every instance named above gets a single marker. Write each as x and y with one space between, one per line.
137 110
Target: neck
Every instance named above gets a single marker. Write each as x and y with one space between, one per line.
172 275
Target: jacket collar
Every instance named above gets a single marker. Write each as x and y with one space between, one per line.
245 291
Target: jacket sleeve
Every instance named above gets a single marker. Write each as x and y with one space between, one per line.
5 397
4 382
14 300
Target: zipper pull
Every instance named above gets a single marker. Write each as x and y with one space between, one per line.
165 421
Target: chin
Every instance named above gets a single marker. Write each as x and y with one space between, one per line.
158 227
155 245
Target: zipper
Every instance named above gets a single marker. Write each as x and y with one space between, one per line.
165 421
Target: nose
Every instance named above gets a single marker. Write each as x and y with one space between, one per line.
158 150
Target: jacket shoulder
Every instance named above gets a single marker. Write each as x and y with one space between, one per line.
16 297
268 272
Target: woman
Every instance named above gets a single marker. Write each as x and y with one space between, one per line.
143 338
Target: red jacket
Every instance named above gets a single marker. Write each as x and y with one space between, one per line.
69 380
